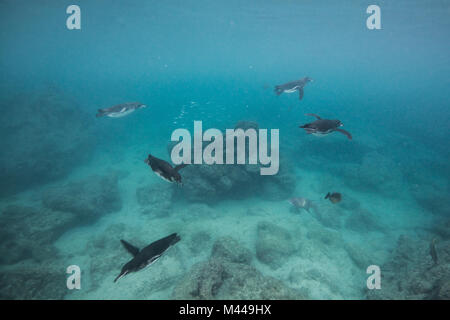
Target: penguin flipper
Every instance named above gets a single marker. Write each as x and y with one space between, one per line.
313 115
130 248
345 132
300 93
180 166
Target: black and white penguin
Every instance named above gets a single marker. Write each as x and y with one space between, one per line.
322 127
164 170
120 110
293 86
148 255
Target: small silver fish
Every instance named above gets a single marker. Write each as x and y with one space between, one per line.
302 203
433 252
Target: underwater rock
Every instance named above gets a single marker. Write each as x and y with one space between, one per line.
32 282
46 135
218 279
323 282
410 272
444 290
274 244
155 199
231 250
246 282
363 221
28 233
202 282
212 183
227 275
88 199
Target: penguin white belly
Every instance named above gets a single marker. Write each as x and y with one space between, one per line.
120 114
291 90
152 261
320 134
159 174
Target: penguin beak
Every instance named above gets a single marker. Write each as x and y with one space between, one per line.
120 276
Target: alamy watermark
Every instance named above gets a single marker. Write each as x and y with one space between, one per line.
374 280
74 280
73 21
235 144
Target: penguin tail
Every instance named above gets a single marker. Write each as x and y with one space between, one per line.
100 113
180 166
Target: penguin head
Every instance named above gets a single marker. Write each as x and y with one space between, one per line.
142 106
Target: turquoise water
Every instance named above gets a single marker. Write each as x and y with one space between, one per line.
73 185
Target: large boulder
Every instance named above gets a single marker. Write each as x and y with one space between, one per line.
33 282
44 136
410 272
229 249
274 244
89 198
211 183
227 275
28 233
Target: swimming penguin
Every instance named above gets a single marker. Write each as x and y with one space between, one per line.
322 127
164 170
120 110
145 257
334 197
293 86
